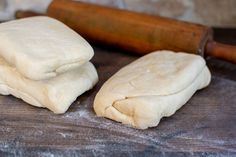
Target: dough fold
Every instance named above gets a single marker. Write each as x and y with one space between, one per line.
42 47
56 94
151 87
45 63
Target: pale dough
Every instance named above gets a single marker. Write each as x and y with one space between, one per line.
42 47
151 87
56 93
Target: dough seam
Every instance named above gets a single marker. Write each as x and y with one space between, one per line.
58 70
131 84
75 62
23 93
131 116
127 97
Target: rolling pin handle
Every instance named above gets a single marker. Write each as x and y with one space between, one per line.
221 51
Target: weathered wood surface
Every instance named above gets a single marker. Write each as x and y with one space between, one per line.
205 126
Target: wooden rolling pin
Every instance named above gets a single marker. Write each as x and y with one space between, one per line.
136 32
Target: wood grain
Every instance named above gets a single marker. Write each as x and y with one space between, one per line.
205 126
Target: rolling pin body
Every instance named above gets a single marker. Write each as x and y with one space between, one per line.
131 31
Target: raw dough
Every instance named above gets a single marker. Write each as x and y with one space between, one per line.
56 93
42 47
152 87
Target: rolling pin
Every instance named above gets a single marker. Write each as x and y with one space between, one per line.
136 32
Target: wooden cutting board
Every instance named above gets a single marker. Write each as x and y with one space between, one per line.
205 126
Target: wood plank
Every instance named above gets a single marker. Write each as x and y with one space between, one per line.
205 126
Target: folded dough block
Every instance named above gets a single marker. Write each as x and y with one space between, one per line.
56 93
151 87
42 47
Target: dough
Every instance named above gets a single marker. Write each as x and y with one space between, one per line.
56 93
42 47
152 87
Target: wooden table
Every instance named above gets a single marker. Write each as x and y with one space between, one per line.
205 126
